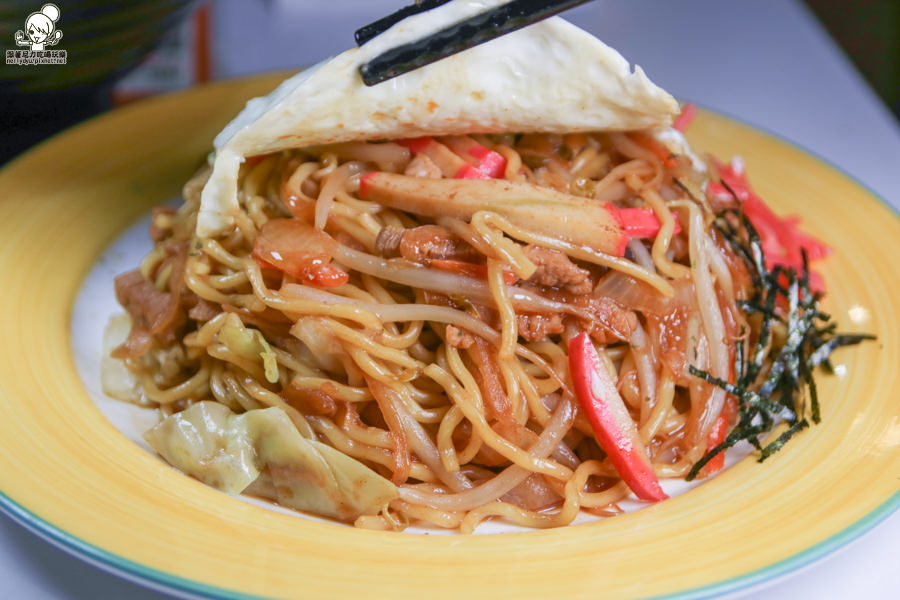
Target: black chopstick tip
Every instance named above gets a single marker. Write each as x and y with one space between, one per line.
375 28
461 36
370 77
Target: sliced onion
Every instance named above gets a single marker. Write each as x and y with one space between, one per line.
641 254
640 296
509 478
397 312
413 312
388 155
333 182
710 317
293 246
450 284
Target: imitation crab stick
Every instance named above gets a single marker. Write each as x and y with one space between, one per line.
487 161
450 164
612 425
598 225
460 157
686 117
642 222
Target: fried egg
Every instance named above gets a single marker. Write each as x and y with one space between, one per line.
550 77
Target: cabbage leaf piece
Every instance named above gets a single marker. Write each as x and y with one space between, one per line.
263 451
116 379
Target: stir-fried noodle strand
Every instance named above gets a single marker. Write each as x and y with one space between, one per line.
433 347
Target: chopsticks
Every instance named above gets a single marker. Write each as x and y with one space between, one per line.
366 33
455 38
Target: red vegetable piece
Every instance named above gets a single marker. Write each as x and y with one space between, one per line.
326 275
461 158
782 242
716 436
642 222
637 223
469 172
450 164
487 161
815 249
688 112
364 182
417 145
719 431
490 163
298 249
609 419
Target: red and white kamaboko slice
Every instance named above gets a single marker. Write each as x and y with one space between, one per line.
609 418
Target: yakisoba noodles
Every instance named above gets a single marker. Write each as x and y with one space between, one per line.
396 331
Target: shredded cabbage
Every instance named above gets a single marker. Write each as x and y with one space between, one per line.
249 344
117 381
263 449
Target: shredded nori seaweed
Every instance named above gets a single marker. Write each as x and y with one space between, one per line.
783 298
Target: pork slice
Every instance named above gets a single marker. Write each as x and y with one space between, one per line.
536 326
424 243
459 338
555 269
610 322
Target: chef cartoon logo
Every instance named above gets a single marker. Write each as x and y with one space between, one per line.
39 34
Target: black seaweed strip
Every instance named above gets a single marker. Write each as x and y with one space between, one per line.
762 342
822 351
743 431
780 441
790 345
686 190
806 347
756 251
804 275
790 406
806 373
751 307
741 251
750 398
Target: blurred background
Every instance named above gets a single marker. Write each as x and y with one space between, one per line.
869 33
121 52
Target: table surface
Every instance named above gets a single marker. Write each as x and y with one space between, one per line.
768 63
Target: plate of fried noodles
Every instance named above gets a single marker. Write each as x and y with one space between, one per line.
486 363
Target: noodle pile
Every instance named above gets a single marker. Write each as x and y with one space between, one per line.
432 348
